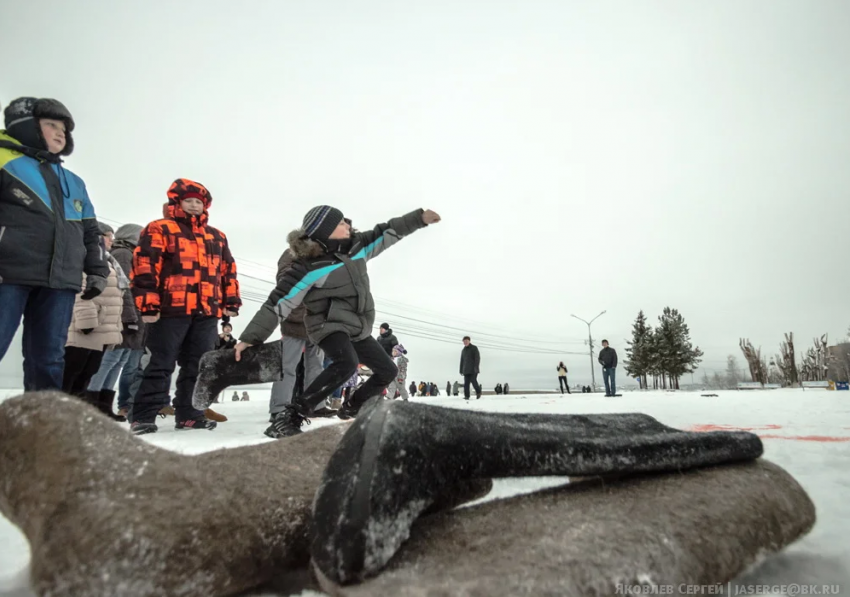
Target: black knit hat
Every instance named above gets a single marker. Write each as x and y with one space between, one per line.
320 222
23 114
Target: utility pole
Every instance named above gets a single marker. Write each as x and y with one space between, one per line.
590 344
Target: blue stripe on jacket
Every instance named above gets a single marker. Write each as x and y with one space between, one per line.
316 275
77 205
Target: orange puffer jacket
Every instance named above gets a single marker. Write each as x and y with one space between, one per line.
182 266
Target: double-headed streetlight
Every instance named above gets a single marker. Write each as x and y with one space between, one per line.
590 343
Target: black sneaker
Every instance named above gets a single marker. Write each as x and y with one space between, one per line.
139 428
286 423
195 424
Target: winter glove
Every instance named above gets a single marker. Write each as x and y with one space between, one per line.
87 331
94 286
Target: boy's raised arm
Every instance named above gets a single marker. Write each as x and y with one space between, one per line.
383 236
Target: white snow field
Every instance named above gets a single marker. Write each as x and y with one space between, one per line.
805 432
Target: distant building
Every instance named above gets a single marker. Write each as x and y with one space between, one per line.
838 362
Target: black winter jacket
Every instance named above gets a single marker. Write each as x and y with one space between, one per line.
48 232
608 358
388 341
470 359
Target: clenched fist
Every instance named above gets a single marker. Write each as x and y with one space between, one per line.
430 217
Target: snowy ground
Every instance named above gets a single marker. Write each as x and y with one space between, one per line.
807 433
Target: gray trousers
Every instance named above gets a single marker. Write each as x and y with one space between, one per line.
400 386
291 351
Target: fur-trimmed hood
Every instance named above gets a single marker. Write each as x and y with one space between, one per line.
303 247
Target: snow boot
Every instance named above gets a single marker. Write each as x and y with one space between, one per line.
286 423
105 399
390 467
219 370
214 416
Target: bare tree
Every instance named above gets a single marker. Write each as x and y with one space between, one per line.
814 365
758 367
786 361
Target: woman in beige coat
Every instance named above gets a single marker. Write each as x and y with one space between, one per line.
95 326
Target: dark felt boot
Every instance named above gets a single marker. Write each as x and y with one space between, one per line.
398 457
219 370
105 400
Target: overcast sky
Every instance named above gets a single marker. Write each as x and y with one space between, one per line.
585 156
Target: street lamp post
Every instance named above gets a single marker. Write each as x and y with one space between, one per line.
590 344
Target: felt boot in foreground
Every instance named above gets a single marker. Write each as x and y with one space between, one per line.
653 534
219 370
397 457
106 513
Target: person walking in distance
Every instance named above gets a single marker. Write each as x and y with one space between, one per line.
184 280
562 378
470 361
387 339
608 360
48 238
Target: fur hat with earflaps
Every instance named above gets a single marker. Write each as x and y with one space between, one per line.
23 114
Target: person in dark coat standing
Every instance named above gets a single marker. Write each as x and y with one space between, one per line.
470 361
226 340
506 388
48 238
387 339
448 388
608 360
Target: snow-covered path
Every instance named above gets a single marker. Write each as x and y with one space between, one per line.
805 432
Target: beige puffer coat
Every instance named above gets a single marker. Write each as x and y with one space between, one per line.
102 313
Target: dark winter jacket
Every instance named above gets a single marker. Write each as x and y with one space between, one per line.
126 240
608 358
222 343
506 389
470 359
448 388
293 325
48 232
333 285
182 265
388 341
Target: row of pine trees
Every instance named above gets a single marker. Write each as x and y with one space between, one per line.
660 356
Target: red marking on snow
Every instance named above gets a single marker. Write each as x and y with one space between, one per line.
712 427
799 438
808 438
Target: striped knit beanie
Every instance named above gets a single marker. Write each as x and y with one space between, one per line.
321 221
